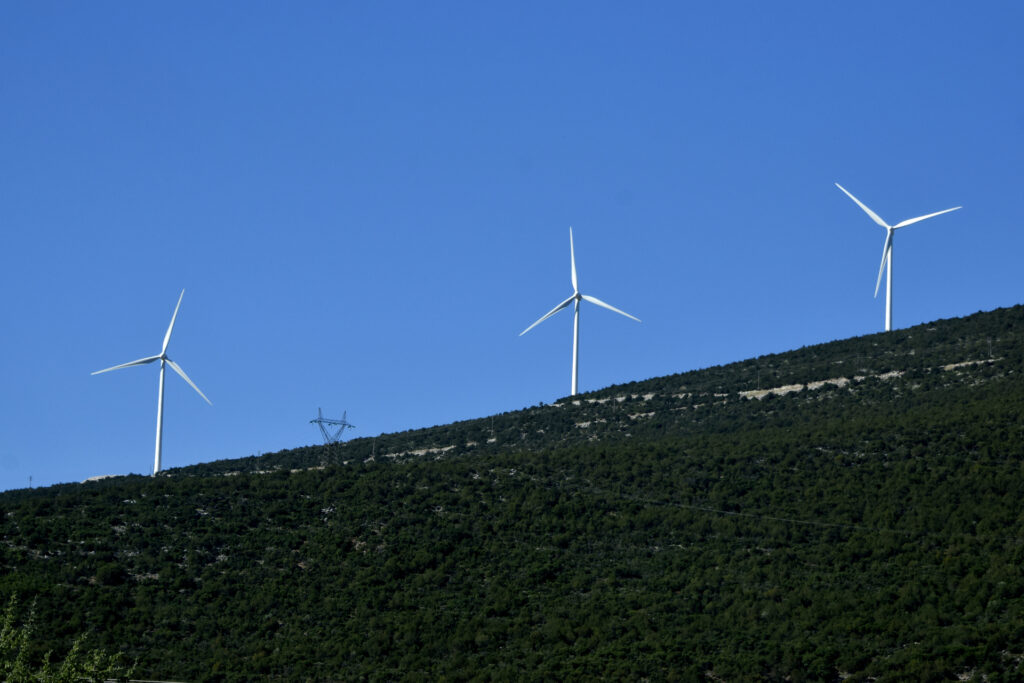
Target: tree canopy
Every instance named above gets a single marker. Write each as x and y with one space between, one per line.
844 511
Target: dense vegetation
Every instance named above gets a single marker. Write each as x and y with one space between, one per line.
863 520
17 636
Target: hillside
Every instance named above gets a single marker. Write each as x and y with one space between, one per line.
844 511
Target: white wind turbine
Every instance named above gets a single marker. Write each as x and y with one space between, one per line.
887 249
164 361
575 298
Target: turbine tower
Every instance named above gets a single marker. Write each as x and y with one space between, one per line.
164 361
575 299
887 249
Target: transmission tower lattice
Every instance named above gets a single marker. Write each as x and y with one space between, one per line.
327 426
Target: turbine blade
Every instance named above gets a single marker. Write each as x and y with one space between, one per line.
550 313
572 258
874 216
910 221
177 369
167 337
597 301
141 361
885 257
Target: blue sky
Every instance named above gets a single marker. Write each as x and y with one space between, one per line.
367 202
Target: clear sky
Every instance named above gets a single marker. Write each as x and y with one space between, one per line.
366 202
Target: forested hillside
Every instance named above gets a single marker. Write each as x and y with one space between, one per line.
851 510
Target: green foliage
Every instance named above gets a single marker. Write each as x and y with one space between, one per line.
18 665
678 528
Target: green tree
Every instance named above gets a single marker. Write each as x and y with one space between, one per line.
16 665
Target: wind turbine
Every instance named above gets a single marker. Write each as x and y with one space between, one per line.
164 361
575 299
887 249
